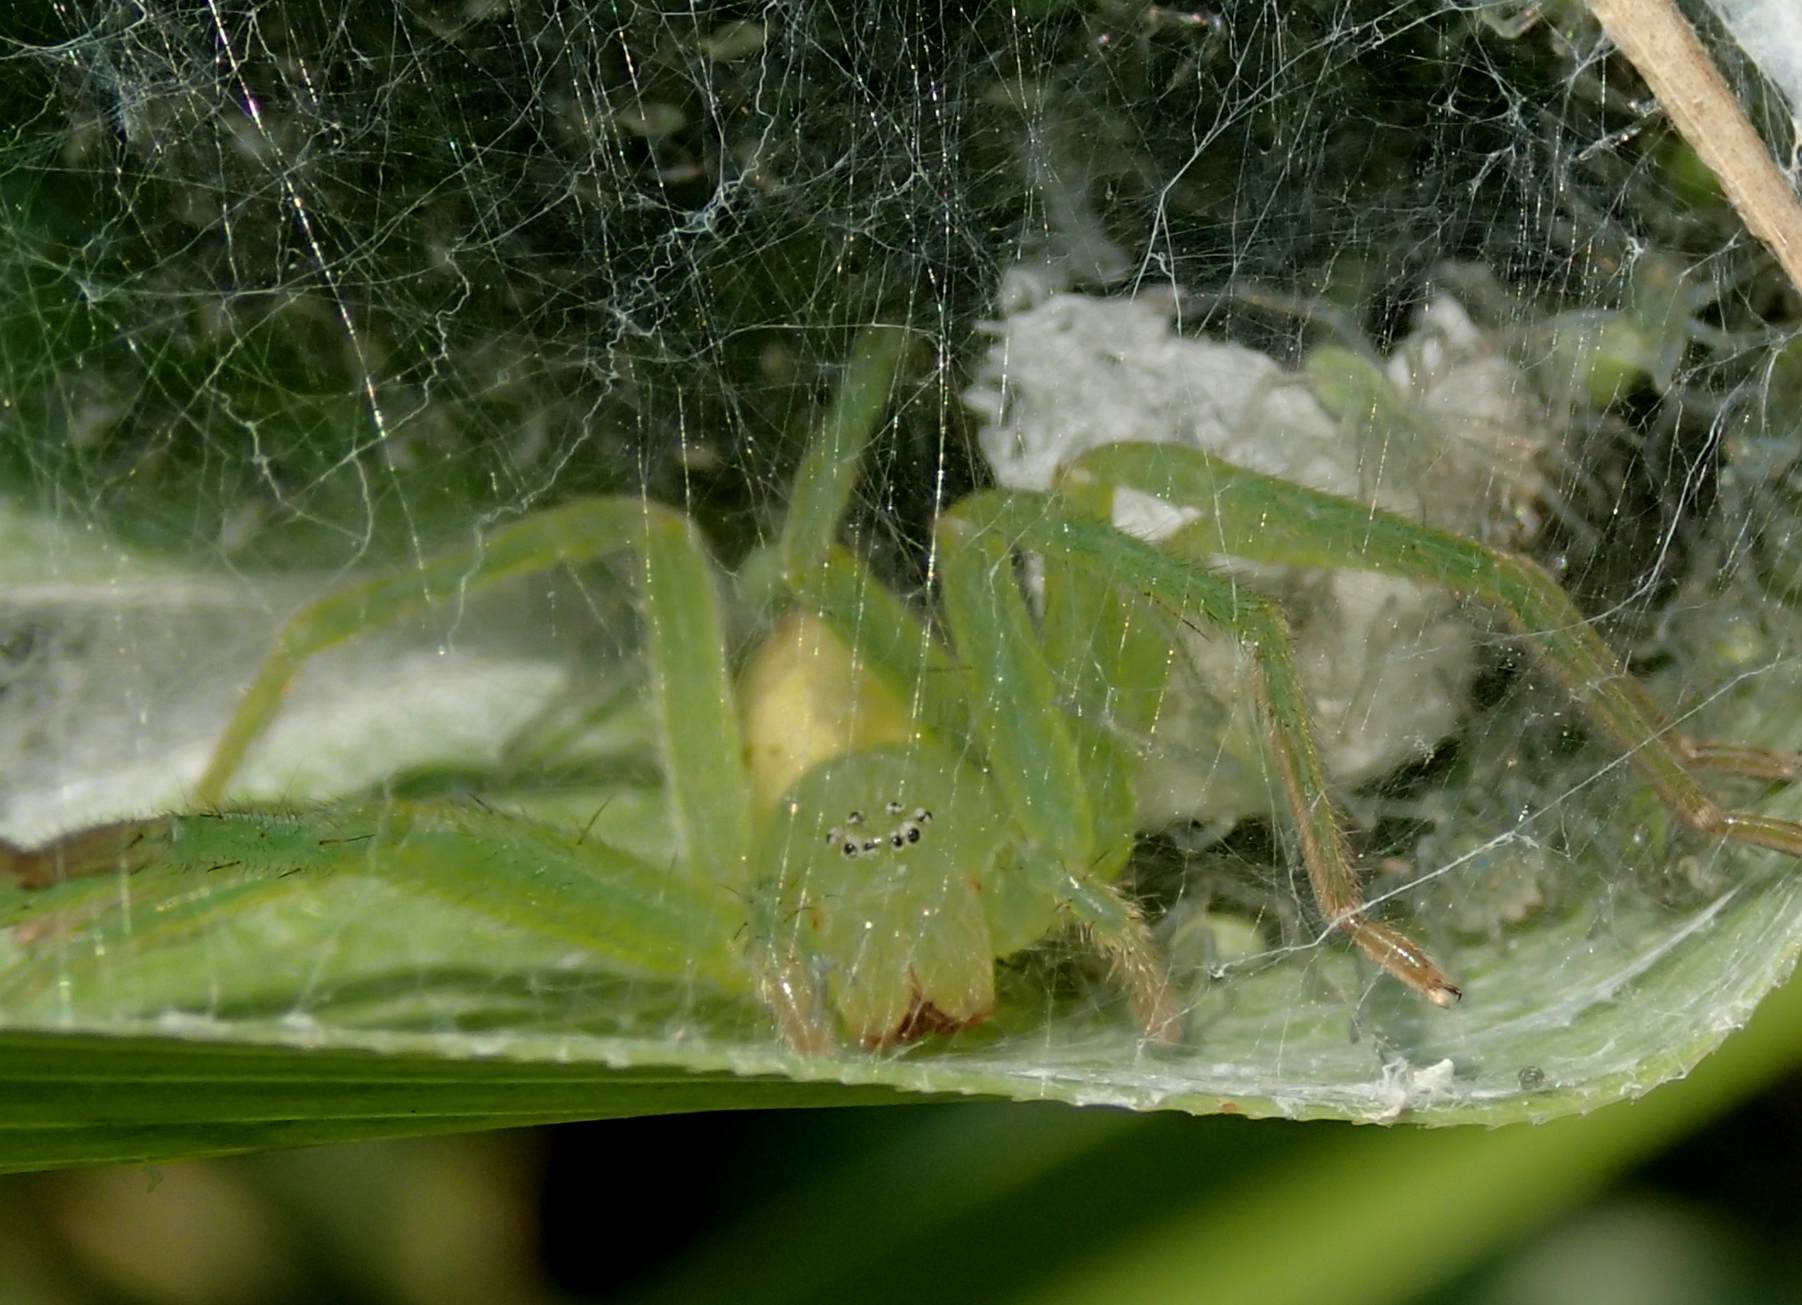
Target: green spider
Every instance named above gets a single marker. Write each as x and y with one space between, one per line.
878 811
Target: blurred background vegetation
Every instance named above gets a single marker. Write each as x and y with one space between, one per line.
1684 1196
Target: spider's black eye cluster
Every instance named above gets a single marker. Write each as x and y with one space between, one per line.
852 841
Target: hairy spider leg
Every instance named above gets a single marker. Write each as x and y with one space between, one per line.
1016 717
692 689
1245 514
1034 756
828 579
643 920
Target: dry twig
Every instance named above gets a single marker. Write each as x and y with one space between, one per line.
1662 45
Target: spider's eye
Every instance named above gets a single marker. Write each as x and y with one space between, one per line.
849 847
855 818
893 808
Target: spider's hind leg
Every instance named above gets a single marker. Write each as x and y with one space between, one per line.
1265 519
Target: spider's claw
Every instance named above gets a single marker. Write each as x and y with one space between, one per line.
122 846
1402 957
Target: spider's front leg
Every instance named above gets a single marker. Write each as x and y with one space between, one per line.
1065 781
979 536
